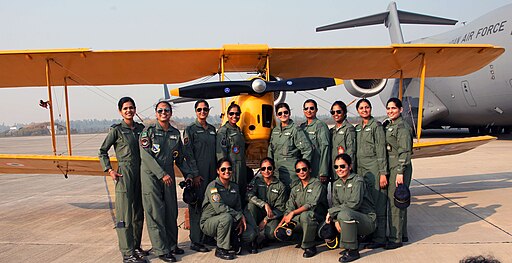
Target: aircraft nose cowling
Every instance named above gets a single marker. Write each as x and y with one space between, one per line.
365 87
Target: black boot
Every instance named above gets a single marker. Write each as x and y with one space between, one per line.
350 255
253 247
223 254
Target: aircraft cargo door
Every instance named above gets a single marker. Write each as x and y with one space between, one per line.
467 93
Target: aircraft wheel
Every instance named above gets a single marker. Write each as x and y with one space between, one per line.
473 130
483 130
495 130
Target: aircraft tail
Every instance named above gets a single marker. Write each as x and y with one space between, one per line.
392 19
167 95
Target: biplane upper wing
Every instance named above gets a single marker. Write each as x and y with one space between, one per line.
28 68
85 67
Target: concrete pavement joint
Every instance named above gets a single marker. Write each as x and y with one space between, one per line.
469 211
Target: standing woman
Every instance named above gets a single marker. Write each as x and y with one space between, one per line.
343 134
231 145
318 134
199 140
266 197
160 148
223 217
129 211
307 206
288 144
399 146
352 208
372 165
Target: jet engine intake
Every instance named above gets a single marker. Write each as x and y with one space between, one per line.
365 87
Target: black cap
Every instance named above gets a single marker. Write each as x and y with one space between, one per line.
285 231
402 196
329 233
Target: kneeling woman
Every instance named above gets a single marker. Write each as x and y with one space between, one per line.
352 208
222 215
307 206
266 197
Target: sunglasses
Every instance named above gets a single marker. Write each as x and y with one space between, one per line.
341 166
231 113
283 113
229 168
336 112
162 110
203 109
312 108
268 168
304 169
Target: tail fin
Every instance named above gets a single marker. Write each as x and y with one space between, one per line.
167 95
392 19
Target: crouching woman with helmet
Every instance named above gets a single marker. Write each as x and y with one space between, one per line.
352 211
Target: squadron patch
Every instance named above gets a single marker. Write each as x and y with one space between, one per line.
236 149
175 154
216 197
156 148
341 149
144 142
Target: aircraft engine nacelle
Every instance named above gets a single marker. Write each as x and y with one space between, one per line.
279 96
365 87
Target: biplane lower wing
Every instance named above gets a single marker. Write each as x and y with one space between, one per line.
49 164
81 165
448 147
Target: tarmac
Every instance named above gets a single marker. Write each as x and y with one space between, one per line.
460 207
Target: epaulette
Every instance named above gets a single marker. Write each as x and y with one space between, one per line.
113 126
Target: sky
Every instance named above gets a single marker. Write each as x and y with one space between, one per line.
163 24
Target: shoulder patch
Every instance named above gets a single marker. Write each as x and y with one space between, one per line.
144 142
216 198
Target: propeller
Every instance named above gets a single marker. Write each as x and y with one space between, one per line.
221 89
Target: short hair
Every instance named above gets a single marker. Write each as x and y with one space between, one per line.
304 161
341 104
201 101
345 157
397 102
479 259
223 160
124 100
282 105
234 105
268 159
310 101
163 101
361 101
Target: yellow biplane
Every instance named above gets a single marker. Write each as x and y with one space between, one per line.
70 67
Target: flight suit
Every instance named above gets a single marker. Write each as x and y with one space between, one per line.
129 210
399 147
231 144
352 207
259 194
343 140
198 145
287 145
314 198
222 211
159 150
318 134
371 164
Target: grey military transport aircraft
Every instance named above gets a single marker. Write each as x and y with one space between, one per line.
480 101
